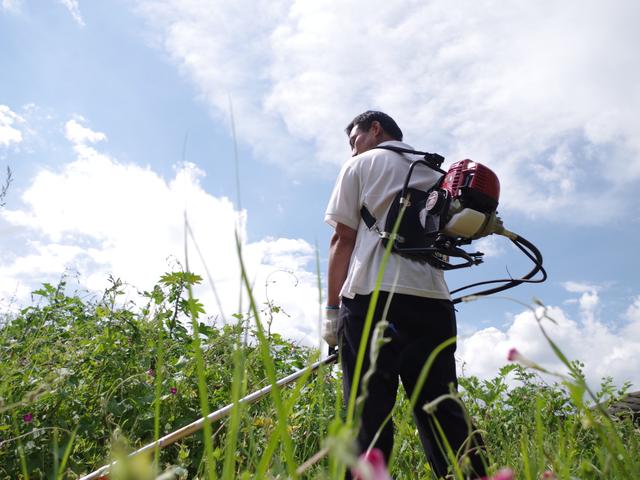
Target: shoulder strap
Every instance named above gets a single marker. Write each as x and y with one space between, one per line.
433 160
367 217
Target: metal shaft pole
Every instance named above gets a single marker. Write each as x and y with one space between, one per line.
212 417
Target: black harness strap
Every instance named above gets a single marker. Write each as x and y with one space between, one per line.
432 160
367 217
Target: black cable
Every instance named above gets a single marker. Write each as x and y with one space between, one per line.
524 279
533 254
514 282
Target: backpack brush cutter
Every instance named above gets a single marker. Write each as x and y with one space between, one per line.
459 208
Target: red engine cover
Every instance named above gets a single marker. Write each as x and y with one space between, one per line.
473 183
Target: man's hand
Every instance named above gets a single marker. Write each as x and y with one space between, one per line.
330 326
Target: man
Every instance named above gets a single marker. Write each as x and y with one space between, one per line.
421 314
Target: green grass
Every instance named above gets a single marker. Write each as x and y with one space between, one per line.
85 381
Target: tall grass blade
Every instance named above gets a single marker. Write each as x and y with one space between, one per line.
539 436
202 386
267 360
232 121
23 459
206 269
236 159
66 454
55 453
159 371
273 440
237 391
524 454
449 451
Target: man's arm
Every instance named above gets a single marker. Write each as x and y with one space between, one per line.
340 250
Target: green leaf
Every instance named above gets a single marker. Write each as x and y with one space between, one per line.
173 278
194 307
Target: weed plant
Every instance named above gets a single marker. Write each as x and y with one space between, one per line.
85 381
115 377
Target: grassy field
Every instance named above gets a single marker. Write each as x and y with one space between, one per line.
88 380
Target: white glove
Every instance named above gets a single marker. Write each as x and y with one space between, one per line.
330 326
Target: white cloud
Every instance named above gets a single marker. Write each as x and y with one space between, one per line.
579 287
588 300
98 216
78 134
604 351
527 88
9 134
11 5
491 246
632 329
74 10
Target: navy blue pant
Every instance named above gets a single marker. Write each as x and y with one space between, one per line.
417 326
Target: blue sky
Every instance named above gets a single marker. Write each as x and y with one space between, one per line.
115 117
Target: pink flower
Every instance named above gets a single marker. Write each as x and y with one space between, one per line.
371 466
151 372
503 473
513 355
28 418
173 390
550 475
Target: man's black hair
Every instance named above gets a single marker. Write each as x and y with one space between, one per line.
388 124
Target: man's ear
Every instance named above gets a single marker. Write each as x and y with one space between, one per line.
376 128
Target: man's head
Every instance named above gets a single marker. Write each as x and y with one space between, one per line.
371 128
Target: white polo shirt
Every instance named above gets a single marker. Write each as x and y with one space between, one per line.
374 178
